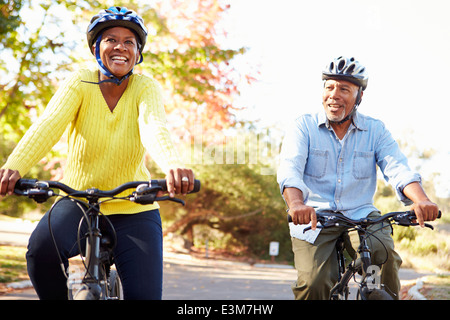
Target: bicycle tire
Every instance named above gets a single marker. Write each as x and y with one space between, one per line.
379 294
374 294
87 292
115 290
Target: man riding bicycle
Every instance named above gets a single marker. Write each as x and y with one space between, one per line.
113 117
328 162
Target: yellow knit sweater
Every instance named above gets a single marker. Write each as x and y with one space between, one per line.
105 148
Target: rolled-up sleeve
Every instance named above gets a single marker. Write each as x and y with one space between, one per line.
394 165
293 157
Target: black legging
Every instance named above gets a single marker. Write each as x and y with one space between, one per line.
138 254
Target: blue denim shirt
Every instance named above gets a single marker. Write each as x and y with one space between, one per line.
342 175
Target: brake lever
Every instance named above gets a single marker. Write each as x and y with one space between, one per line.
406 220
167 198
323 224
38 195
309 228
425 224
147 195
429 226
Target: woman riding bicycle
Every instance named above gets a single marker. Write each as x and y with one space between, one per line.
113 117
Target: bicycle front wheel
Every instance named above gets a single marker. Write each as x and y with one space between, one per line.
88 291
115 290
374 294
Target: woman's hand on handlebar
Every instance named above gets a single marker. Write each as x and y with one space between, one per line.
179 181
8 180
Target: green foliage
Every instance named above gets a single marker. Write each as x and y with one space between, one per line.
385 198
16 206
239 207
237 201
36 56
407 233
26 83
9 17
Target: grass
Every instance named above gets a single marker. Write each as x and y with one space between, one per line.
423 249
436 287
12 264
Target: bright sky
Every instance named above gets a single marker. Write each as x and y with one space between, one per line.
404 44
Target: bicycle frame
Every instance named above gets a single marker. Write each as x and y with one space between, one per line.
346 273
93 262
98 260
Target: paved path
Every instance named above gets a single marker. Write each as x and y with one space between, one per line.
204 279
189 278
186 277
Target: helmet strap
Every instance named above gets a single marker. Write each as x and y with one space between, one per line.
104 70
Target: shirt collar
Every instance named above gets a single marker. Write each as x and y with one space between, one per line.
359 121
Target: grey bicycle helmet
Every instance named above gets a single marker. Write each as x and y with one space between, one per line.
346 69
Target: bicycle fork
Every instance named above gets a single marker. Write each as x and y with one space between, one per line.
341 290
93 273
360 265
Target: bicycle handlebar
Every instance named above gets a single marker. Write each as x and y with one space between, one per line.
145 191
331 219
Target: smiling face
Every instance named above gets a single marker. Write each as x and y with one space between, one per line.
119 50
339 98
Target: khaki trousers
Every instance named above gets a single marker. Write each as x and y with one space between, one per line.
317 265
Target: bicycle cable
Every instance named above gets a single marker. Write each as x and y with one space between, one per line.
372 233
86 217
61 263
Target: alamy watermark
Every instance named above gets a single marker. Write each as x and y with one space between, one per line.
236 147
373 279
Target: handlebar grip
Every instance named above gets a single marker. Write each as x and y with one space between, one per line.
438 216
25 183
197 186
163 184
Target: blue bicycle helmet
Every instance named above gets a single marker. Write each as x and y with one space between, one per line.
115 17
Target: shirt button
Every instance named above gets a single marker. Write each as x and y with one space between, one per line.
339 180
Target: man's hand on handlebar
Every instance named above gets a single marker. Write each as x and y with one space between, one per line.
303 214
425 211
8 179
